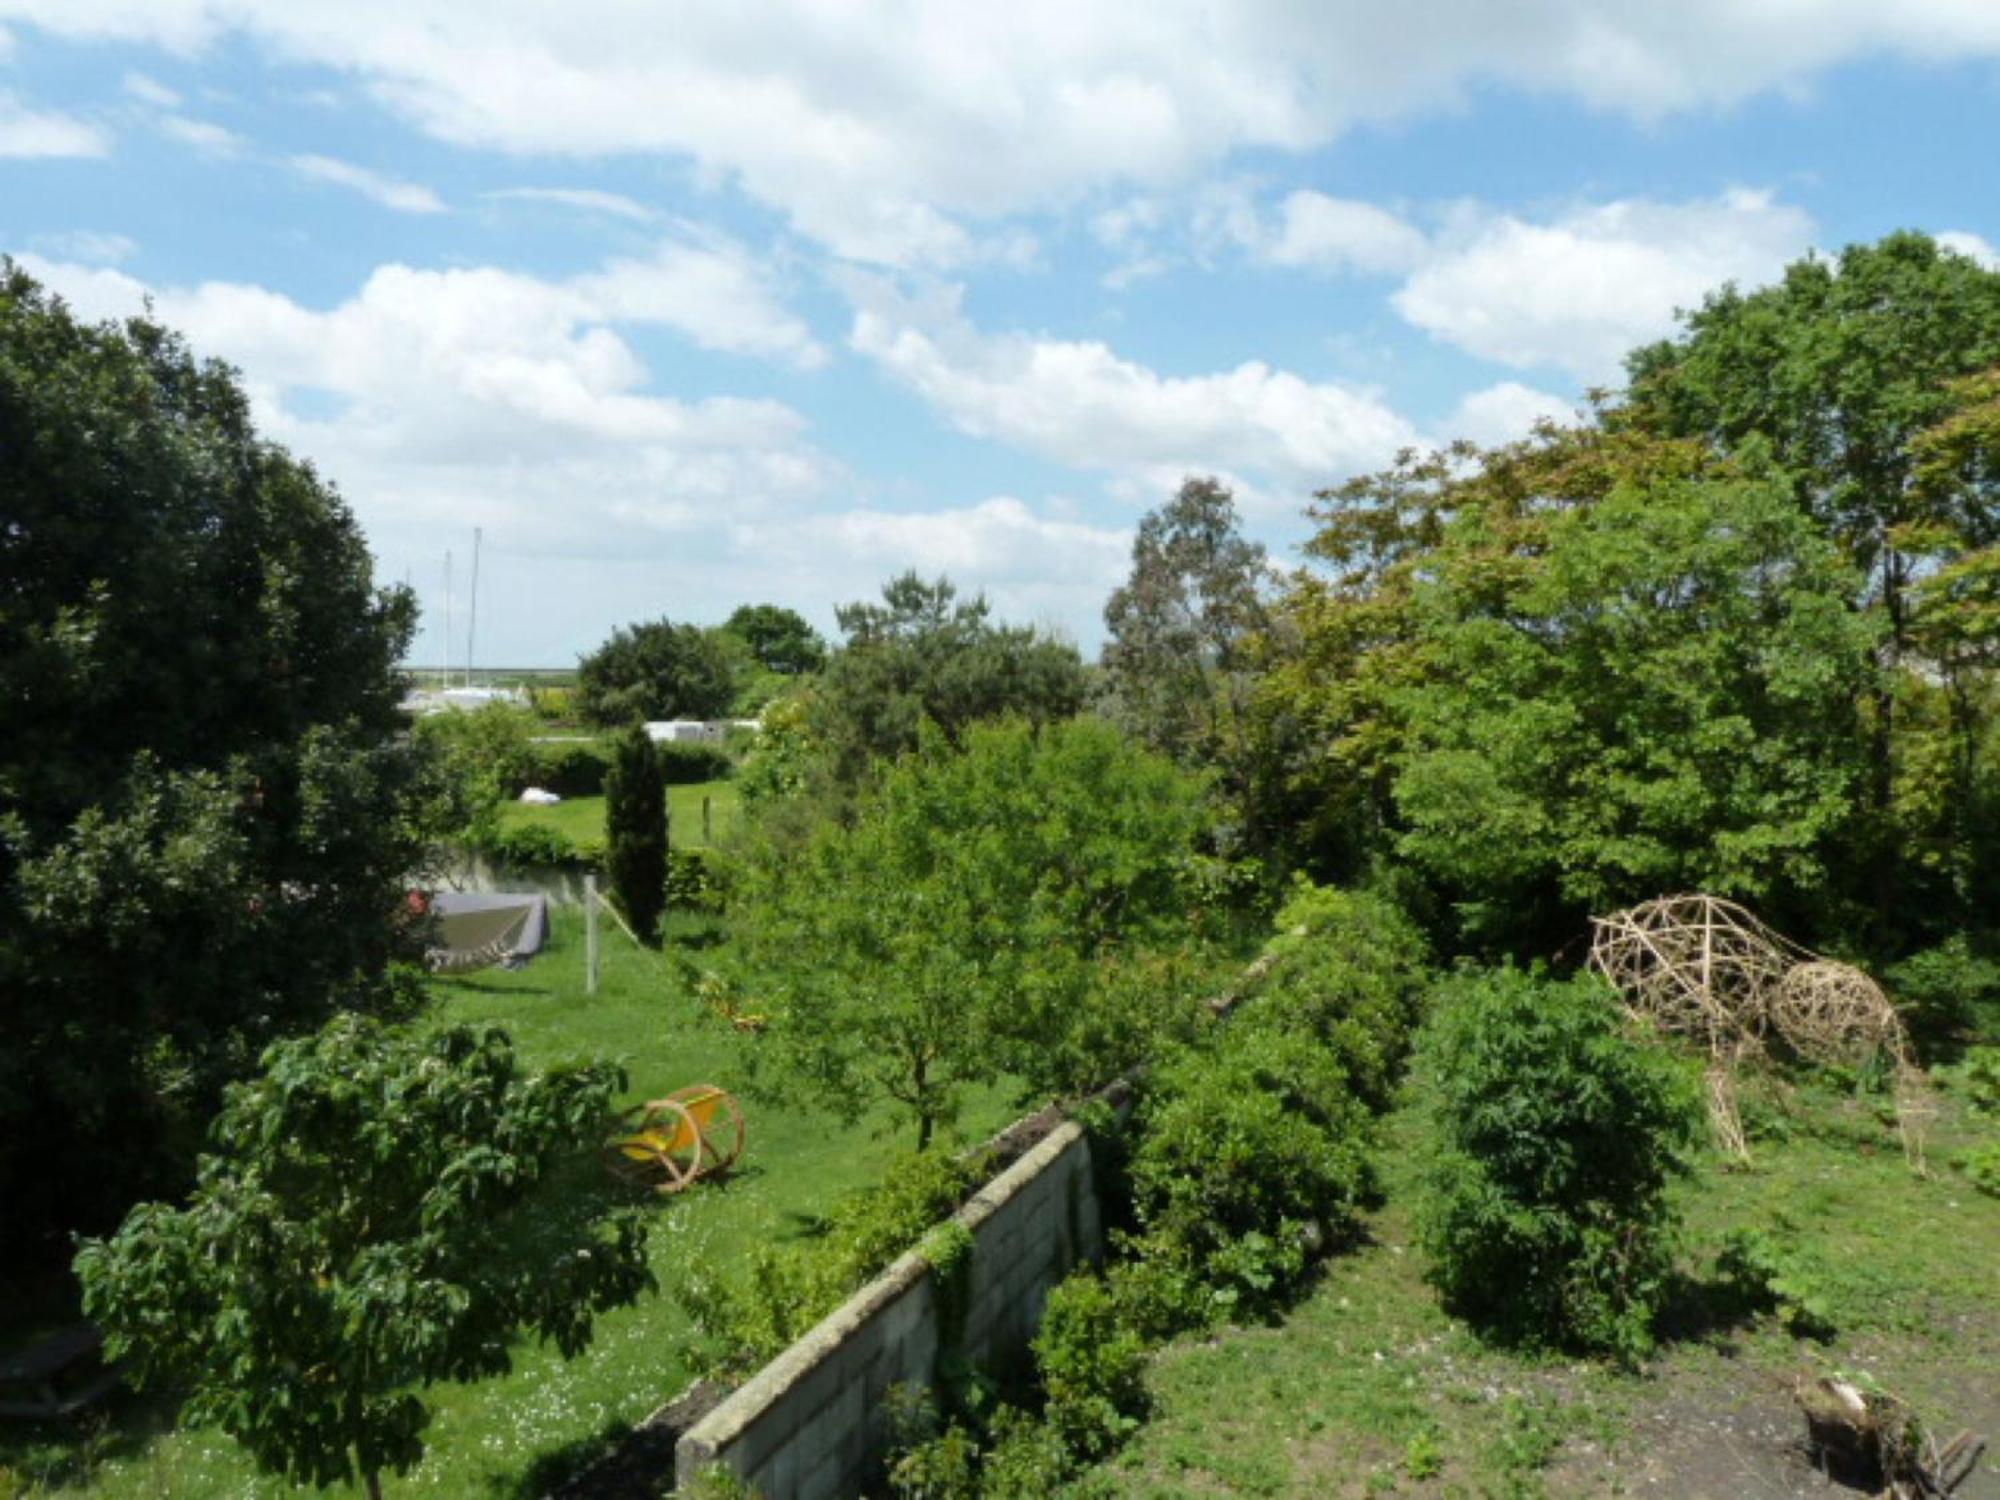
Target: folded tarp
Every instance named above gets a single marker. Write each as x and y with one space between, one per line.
477 928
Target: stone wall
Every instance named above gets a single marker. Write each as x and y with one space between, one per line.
809 1424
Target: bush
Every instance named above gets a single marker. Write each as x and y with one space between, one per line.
1545 1214
1252 1152
689 763
1982 1165
1351 972
532 845
1092 1366
635 825
1976 1079
1760 1271
692 883
1948 994
571 770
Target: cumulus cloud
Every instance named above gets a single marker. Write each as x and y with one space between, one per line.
1338 234
1578 292
390 192
1080 403
26 132
713 291
1976 246
1502 413
881 131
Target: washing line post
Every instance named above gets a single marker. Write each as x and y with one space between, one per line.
590 934
707 835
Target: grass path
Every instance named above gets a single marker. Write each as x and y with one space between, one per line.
506 1437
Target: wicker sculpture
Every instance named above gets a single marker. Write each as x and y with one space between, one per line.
1706 969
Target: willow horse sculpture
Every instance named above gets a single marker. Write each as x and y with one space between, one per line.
1706 969
672 1143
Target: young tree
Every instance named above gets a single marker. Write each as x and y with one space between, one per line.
1545 1215
655 670
203 840
1015 905
376 1216
635 826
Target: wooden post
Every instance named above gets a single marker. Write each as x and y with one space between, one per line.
707 833
590 934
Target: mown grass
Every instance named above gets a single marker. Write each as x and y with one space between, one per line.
1369 1387
581 819
510 1436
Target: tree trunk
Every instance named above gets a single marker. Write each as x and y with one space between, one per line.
374 1485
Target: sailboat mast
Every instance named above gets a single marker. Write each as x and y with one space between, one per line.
472 626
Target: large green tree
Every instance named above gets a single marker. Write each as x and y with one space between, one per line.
655 670
1181 652
376 1216
924 654
779 638
1017 904
201 839
635 827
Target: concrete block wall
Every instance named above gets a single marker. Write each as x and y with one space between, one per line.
808 1425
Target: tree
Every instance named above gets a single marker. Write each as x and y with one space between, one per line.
1545 1212
656 670
376 1216
923 654
1178 657
779 639
203 840
1016 905
1838 369
635 826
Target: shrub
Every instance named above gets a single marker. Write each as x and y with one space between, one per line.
1351 972
692 883
1982 1165
1545 1215
689 763
1762 1272
532 845
1976 1079
1092 1366
1948 993
635 824
571 770
1252 1151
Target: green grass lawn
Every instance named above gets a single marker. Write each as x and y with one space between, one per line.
1368 1387
505 1437
581 819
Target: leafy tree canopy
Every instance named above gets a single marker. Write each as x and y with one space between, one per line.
656 670
1018 904
201 835
374 1218
779 638
925 654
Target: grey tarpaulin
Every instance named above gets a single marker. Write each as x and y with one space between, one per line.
477 928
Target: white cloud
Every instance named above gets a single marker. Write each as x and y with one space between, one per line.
202 135
27 133
1080 403
713 291
89 246
1502 413
590 199
1579 292
1976 246
151 91
880 131
390 192
1339 234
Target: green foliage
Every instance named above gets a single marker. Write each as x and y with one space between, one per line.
1976 1079
1252 1153
1351 973
477 760
531 846
922 655
783 1290
779 639
635 828
1012 906
571 770
1545 1214
1092 1367
690 763
372 1220
1948 993
203 829
655 670
1981 1163
1761 1270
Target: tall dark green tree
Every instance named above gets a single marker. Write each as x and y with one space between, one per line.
925 654
655 670
635 825
201 837
779 638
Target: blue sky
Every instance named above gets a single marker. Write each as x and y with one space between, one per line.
691 306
